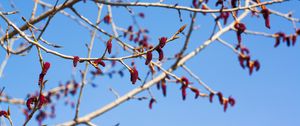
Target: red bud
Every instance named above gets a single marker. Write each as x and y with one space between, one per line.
183 91
164 87
107 19
42 101
4 113
99 61
240 27
162 42
225 105
75 61
196 91
160 53
219 2
46 66
109 45
266 15
211 96
298 31
256 65
142 15
294 39
148 57
231 101
195 3
134 75
152 100
30 101
220 95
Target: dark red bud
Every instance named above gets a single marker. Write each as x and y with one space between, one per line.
142 15
107 19
240 27
288 41
242 58
231 101
148 57
266 15
158 85
294 39
131 37
184 81
134 75
233 3
245 50
164 87
160 53
42 101
46 67
196 91
256 65
195 3
30 101
152 100
211 96
298 31
75 61
220 96
99 61
277 41
4 113
224 16
219 2
162 42
225 105
109 46
183 91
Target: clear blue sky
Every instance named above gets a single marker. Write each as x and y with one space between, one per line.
267 98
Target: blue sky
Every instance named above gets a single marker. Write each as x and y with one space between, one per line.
267 98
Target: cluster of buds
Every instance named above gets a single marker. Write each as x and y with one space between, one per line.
97 62
130 31
70 87
142 41
163 86
223 101
289 39
185 85
224 16
37 102
158 49
245 59
6 114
